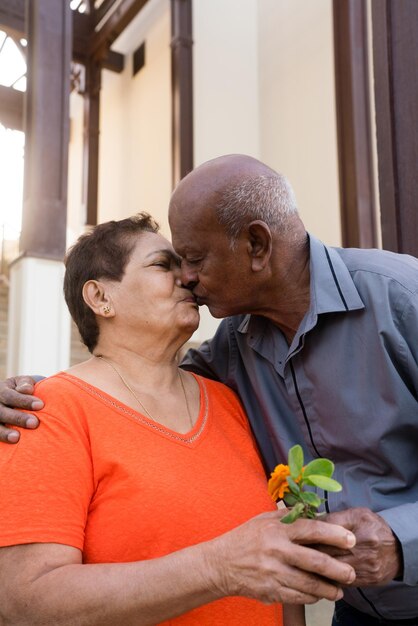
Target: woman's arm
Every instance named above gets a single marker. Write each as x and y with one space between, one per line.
47 584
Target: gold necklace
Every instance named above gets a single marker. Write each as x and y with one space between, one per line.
129 388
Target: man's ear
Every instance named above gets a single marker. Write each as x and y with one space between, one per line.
96 297
259 244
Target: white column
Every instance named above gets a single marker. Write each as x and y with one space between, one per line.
39 321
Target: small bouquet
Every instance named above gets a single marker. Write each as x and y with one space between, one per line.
287 483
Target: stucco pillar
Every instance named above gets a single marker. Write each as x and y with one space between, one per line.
39 327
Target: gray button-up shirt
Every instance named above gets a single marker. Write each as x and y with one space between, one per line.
346 389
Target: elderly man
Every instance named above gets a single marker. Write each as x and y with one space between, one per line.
320 345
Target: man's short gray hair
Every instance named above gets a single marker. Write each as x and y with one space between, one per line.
267 198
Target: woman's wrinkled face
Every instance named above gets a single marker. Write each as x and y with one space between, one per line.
150 295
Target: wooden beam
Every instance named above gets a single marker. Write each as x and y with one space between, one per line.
395 46
181 88
353 124
114 26
11 108
113 61
91 142
12 15
12 20
99 14
82 36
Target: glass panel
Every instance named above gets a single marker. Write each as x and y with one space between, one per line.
20 84
11 181
12 63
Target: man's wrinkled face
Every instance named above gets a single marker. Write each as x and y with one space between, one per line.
214 271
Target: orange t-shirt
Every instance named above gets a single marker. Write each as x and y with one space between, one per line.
101 477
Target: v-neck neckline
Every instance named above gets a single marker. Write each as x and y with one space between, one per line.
186 438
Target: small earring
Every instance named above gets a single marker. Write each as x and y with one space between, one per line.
106 309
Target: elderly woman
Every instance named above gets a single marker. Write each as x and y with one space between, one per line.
140 499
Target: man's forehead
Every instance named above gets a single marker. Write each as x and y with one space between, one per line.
192 219
189 235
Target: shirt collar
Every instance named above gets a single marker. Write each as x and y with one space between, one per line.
332 288
243 327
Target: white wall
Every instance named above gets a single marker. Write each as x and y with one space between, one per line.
38 322
297 106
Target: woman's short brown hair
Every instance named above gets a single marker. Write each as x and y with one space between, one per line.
103 252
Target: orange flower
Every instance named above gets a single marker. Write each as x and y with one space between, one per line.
277 485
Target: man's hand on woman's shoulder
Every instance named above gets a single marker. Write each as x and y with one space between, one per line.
15 394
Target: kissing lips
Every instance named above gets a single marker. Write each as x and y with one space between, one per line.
200 300
190 298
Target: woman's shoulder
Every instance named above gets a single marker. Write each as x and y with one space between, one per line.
59 383
61 392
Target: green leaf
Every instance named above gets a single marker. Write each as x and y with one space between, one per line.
294 487
295 461
311 498
321 467
291 499
293 514
323 482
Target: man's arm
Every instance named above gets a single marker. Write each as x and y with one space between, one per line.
15 393
387 541
213 358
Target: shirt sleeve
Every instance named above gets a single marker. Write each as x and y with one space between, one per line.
403 519
47 484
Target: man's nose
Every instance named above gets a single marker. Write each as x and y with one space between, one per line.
189 276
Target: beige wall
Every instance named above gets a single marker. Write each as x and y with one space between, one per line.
263 85
225 58
75 210
297 106
226 98
135 123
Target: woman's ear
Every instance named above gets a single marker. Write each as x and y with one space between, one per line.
96 297
259 244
